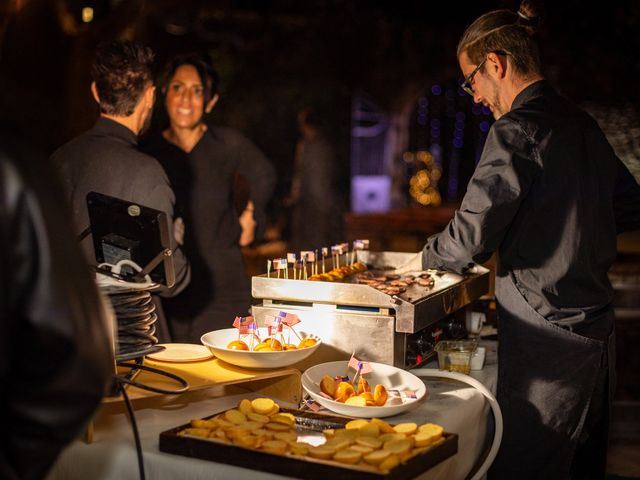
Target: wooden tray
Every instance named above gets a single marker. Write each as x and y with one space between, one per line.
302 467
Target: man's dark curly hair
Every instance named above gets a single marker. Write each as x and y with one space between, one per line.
121 71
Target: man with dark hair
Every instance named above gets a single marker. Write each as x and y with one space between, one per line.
549 196
106 159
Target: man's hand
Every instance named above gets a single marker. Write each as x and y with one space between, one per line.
178 230
248 225
413 265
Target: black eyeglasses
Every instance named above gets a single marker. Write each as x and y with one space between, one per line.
466 85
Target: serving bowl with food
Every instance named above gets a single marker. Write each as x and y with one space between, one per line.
259 349
383 392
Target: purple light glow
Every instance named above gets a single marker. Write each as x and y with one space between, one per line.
436 89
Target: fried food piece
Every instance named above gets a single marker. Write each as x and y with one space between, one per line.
363 386
355 424
380 395
196 432
245 406
286 436
370 442
356 401
399 447
277 427
210 424
384 426
322 452
392 461
235 416
307 342
257 417
344 391
406 428
299 448
263 406
289 346
285 418
275 446
238 345
349 456
377 457
369 430
328 386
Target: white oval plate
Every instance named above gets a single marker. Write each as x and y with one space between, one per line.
218 340
181 352
390 377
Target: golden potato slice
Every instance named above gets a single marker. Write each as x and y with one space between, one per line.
380 395
274 410
245 406
261 432
350 435
204 423
222 423
371 442
218 434
275 446
361 448
329 433
369 430
235 432
251 425
322 452
235 416
285 418
196 432
385 437
248 441
286 436
277 427
399 447
348 456
377 457
328 386
418 451
431 428
299 448
263 406
392 461
424 439
256 417
356 401
406 428
384 426
338 443
356 424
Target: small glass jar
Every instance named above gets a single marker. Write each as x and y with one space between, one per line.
455 355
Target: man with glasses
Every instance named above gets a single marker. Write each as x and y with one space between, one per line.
549 196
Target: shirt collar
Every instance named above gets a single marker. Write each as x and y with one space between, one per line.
532 91
106 126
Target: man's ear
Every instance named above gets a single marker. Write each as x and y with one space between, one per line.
94 92
150 96
496 65
211 103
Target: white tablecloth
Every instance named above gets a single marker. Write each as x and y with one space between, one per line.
112 456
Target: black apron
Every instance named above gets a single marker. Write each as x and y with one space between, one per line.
554 389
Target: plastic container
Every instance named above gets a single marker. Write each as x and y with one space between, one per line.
455 355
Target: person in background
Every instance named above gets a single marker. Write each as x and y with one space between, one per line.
316 216
56 347
549 195
222 183
106 159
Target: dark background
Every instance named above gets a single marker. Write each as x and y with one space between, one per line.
277 56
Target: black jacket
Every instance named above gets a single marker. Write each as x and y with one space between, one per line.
55 347
549 195
106 160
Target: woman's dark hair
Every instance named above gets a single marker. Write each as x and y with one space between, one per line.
121 71
203 65
507 32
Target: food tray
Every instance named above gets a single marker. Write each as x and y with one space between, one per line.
307 424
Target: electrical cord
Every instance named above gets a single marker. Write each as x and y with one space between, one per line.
493 403
134 426
136 366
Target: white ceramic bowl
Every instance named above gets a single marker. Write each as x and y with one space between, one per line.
390 377
218 340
